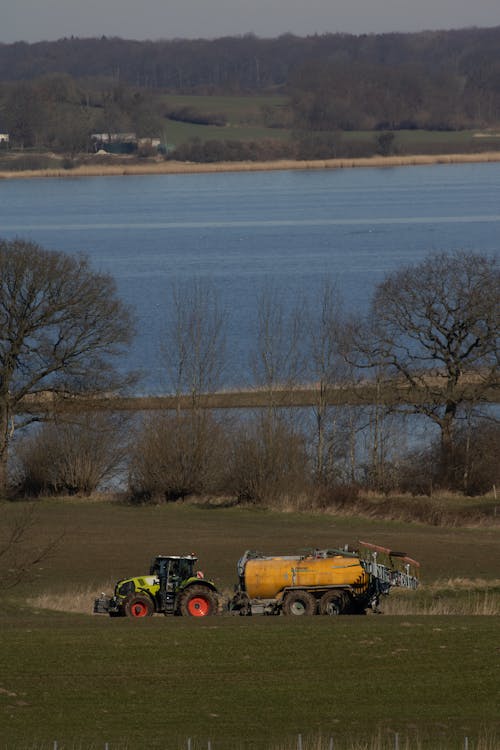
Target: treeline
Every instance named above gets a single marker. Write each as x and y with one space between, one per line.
444 80
264 459
432 327
60 112
249 64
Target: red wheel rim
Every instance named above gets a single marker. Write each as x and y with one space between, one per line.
139 609
198 606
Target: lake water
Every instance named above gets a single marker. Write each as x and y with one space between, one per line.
242 231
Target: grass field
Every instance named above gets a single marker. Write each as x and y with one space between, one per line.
244 117
237 109
84 680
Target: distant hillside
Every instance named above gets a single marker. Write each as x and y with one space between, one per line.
246 99
250 64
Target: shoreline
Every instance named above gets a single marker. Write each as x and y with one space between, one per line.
171 167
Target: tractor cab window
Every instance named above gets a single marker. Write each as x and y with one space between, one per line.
185 568
176 568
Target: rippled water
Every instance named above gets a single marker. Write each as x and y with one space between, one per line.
245 230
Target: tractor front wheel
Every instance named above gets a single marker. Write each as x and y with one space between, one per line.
138 606
198 601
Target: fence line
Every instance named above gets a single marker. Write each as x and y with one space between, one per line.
397 743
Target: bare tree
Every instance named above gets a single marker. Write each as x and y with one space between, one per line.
276 360
61 325
326 367
194 344
436 327
182 453
19 554
270 461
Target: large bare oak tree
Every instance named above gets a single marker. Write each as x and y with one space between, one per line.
61 325
435 325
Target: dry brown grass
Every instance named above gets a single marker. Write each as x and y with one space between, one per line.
388 740
474 603
80 601
450 596
455 596
442 509
172 167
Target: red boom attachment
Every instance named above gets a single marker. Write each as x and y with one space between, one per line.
405 576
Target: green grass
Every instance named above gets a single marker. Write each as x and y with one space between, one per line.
243 682
105 540
84 680
177 133
244 115
237 109
245 121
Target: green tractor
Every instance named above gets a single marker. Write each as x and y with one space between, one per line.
171 588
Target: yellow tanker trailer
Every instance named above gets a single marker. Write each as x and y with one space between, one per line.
328 582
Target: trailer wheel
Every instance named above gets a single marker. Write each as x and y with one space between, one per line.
138 606
198 601
332 603
299 603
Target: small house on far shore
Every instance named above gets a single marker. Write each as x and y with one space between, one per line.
4 139
122 143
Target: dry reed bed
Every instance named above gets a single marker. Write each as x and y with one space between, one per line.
458 596
172 167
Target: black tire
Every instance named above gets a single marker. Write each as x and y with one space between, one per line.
299 603
333 603
138 605
198 601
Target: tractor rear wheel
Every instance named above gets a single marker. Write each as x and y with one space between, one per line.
138 606
198 601
299 603
332 603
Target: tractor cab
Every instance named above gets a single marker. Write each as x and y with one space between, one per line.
172 570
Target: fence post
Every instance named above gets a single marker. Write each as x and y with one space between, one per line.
209 745
299 742
330 746
466 743
189 743
55 744
396 741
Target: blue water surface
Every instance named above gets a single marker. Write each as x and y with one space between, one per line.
243 231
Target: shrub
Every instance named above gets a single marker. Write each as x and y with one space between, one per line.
177 455
70 458
195 116
475 466
269 462
231 150
327 145
339 496
32 162
385 143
